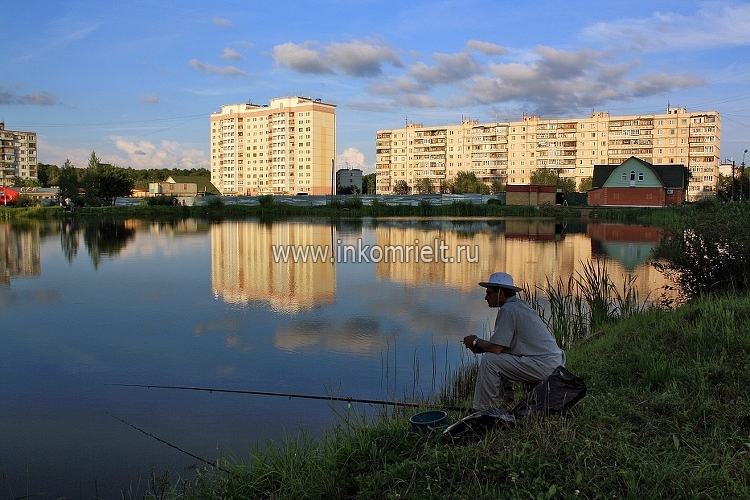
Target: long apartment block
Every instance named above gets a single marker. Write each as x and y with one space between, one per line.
17 155
509 153
285 147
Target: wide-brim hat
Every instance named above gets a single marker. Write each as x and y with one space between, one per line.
500 280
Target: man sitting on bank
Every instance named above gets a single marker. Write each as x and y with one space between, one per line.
521 347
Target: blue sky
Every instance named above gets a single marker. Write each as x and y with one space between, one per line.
136 81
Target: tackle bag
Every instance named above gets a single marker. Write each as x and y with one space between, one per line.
553 396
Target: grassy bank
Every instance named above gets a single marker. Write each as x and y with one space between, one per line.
667 415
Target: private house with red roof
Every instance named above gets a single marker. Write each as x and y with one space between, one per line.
637 183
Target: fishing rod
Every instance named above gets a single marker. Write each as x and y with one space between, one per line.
292 395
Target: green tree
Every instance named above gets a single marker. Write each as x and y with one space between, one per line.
446 187
551 177
467 182
48 175
497 186
424 186
68 181
92 182
586 184
544 177
368 184
113 183
401 187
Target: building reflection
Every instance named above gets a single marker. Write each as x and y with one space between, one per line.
245 269
20 254
534 251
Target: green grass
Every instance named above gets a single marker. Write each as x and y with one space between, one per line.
667 415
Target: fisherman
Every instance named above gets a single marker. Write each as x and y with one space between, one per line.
520 349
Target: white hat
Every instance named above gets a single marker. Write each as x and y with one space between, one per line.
500 280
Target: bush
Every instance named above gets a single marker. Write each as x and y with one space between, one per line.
161 200
27 201
214 202
353 203
710 253
266 200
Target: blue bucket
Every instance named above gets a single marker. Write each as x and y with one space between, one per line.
428 420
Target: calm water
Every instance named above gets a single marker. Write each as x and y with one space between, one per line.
194 303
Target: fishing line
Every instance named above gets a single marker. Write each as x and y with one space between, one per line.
212 464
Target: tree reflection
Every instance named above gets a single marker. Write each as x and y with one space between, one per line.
106 238
69 238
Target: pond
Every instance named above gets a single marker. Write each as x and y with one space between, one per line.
375 309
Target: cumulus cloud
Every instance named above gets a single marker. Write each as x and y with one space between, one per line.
560 81
302 58
32 98
486 48
350 158
231 54
223 22
165 154
230 71
546 81
148 98
716 24
356 58
449 68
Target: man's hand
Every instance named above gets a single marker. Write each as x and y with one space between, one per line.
469 343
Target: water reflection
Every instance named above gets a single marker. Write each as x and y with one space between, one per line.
19 251
245 267
533 250
190 302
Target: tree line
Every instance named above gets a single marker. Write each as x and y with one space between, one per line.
468 182
100 183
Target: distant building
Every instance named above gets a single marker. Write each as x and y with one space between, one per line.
189 186
510 152
637 183
287 147
17 155
349 180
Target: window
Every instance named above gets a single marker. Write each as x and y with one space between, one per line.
640 176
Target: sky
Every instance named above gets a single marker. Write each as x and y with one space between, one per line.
135 81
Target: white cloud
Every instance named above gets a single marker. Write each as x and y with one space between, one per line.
486 48
148 98
716 24
223 22
231 54
300 57
11 96
350 158
356 58
165 154
450 68
230 71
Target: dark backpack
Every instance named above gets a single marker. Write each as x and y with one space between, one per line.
553 396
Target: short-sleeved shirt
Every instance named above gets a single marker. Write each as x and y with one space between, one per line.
521 332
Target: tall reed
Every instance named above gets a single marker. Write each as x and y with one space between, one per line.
577 307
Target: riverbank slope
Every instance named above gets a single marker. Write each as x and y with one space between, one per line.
667 415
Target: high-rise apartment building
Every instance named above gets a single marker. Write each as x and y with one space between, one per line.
17 155
286 147
510 152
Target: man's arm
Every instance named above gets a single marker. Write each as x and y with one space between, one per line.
481 345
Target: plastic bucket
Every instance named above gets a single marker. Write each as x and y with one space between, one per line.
428 420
